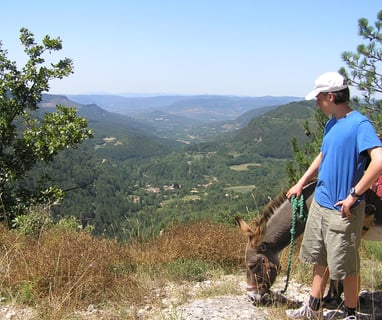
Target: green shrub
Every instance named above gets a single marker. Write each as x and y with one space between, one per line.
33 224
373 249
69 223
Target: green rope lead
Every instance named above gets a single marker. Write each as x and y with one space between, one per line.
297 214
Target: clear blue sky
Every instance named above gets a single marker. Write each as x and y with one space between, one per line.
234 47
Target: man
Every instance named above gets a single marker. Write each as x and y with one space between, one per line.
333 230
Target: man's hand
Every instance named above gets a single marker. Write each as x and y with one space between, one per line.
295 190
346 204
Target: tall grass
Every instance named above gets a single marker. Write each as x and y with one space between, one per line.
371 265
63 270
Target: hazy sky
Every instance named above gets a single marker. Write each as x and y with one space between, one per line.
233 47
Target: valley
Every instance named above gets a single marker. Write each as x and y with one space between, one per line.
134 176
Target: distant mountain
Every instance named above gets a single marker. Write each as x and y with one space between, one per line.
51 100
126 105
97 115
126 130
190 118
206 108
183 118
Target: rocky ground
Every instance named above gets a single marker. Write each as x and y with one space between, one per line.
202 301
241 307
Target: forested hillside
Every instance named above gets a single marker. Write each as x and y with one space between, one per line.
127 182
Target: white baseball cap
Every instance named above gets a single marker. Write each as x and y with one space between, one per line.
327 82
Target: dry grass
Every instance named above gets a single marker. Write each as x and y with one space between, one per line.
202 240
62 271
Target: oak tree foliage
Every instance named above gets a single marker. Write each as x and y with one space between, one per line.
27 135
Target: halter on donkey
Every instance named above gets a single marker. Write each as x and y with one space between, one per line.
272 233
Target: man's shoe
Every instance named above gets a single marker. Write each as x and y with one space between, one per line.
305 312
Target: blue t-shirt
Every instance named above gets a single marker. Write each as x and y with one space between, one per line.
344 150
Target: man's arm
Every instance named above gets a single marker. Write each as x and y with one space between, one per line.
371 174
308 176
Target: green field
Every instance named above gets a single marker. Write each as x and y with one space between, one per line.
244 166
242 189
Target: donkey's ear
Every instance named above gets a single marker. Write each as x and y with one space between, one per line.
244 227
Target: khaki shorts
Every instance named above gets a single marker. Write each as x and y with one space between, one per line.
333 241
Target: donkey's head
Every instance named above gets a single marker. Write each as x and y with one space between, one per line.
261 266
270 234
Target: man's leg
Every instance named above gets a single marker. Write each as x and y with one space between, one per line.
351 293
320 278
313 309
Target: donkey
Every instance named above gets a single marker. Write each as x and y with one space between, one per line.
271 234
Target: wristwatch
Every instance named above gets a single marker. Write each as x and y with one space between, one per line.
353 193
